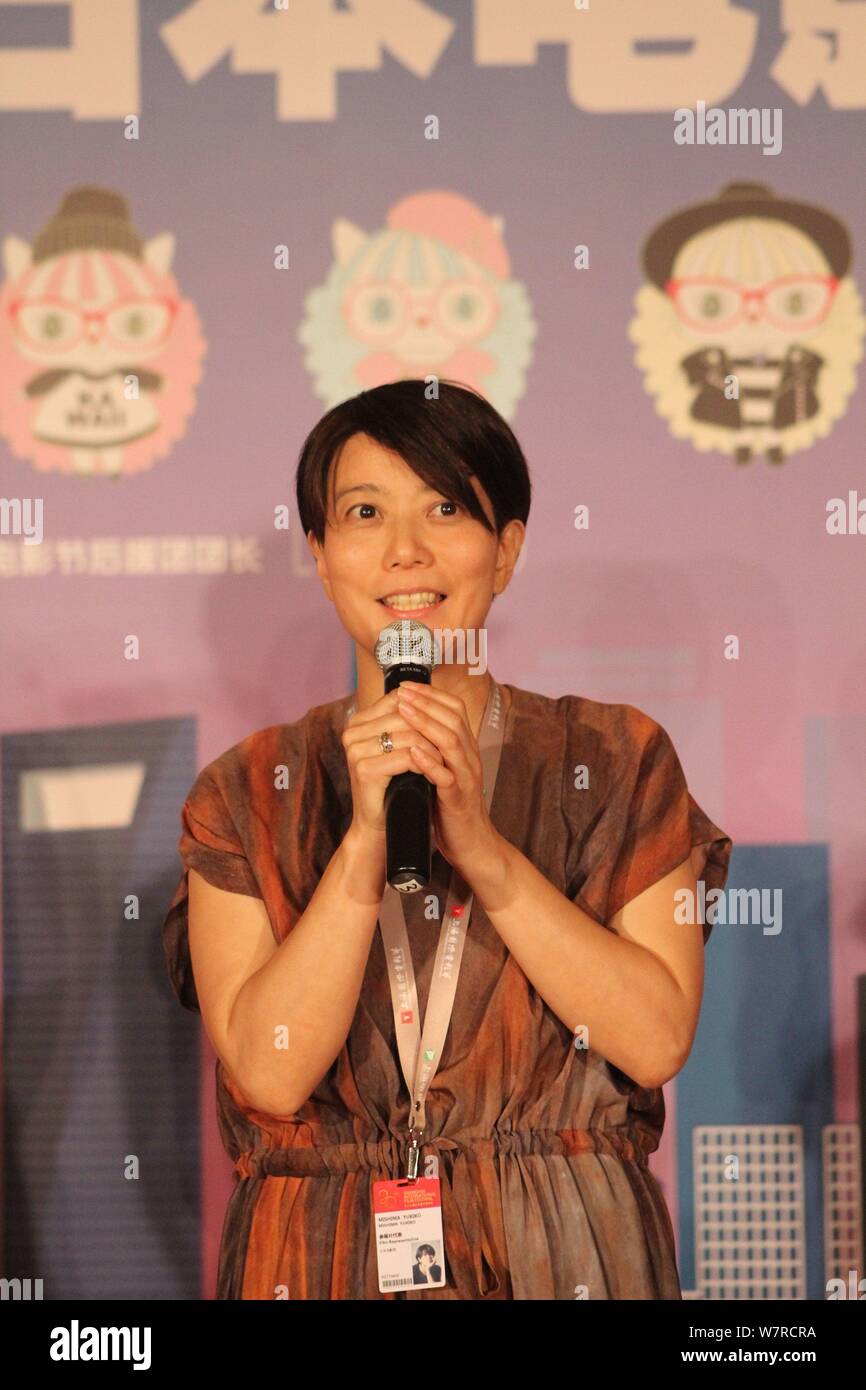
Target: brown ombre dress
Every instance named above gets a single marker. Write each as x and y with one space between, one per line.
542 1149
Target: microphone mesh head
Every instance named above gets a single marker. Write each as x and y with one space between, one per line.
407 641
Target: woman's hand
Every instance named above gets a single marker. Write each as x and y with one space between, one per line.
461 824
370 770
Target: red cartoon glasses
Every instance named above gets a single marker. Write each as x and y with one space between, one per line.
52 324
792 302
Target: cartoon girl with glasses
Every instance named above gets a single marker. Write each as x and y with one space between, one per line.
750 329
430 293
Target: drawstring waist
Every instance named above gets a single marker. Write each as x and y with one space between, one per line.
387 1157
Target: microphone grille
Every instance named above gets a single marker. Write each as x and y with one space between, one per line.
407 641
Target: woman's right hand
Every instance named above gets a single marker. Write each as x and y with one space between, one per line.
370 770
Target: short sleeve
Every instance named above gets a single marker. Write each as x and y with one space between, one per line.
647 822
209 843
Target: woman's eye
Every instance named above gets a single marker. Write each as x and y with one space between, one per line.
369 505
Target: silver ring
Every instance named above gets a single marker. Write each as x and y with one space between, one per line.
385 741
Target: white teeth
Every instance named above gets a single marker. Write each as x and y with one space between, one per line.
422 599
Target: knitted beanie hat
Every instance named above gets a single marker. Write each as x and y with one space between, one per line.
89 218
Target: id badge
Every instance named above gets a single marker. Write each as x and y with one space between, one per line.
409 1246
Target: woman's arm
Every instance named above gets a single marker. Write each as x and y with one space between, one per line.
636 988
252 990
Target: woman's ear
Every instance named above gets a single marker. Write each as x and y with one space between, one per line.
321 563
510 545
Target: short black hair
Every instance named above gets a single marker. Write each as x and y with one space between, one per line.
444 440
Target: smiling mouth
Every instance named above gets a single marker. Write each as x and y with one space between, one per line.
412 605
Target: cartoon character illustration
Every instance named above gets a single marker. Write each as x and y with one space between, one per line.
99 354
750 329
431 294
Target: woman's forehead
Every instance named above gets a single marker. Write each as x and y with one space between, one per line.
362 453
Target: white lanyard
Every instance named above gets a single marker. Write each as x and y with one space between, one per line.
420 1054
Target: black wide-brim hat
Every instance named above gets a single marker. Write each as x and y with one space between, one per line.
743 200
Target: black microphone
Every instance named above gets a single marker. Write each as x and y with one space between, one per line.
407 651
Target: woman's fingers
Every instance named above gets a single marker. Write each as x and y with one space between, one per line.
400 738
363 730
381 707
364 742
433 768
450 738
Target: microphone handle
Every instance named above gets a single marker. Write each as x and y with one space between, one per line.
408 809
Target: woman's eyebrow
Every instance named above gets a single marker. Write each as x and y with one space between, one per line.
360 487
374 487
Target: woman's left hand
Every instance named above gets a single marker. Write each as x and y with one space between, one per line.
461 824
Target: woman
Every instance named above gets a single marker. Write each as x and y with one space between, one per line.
425 1269
578 993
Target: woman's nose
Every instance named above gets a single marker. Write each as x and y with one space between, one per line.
404 546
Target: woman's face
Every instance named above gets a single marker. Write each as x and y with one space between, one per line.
425 1262
388 531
